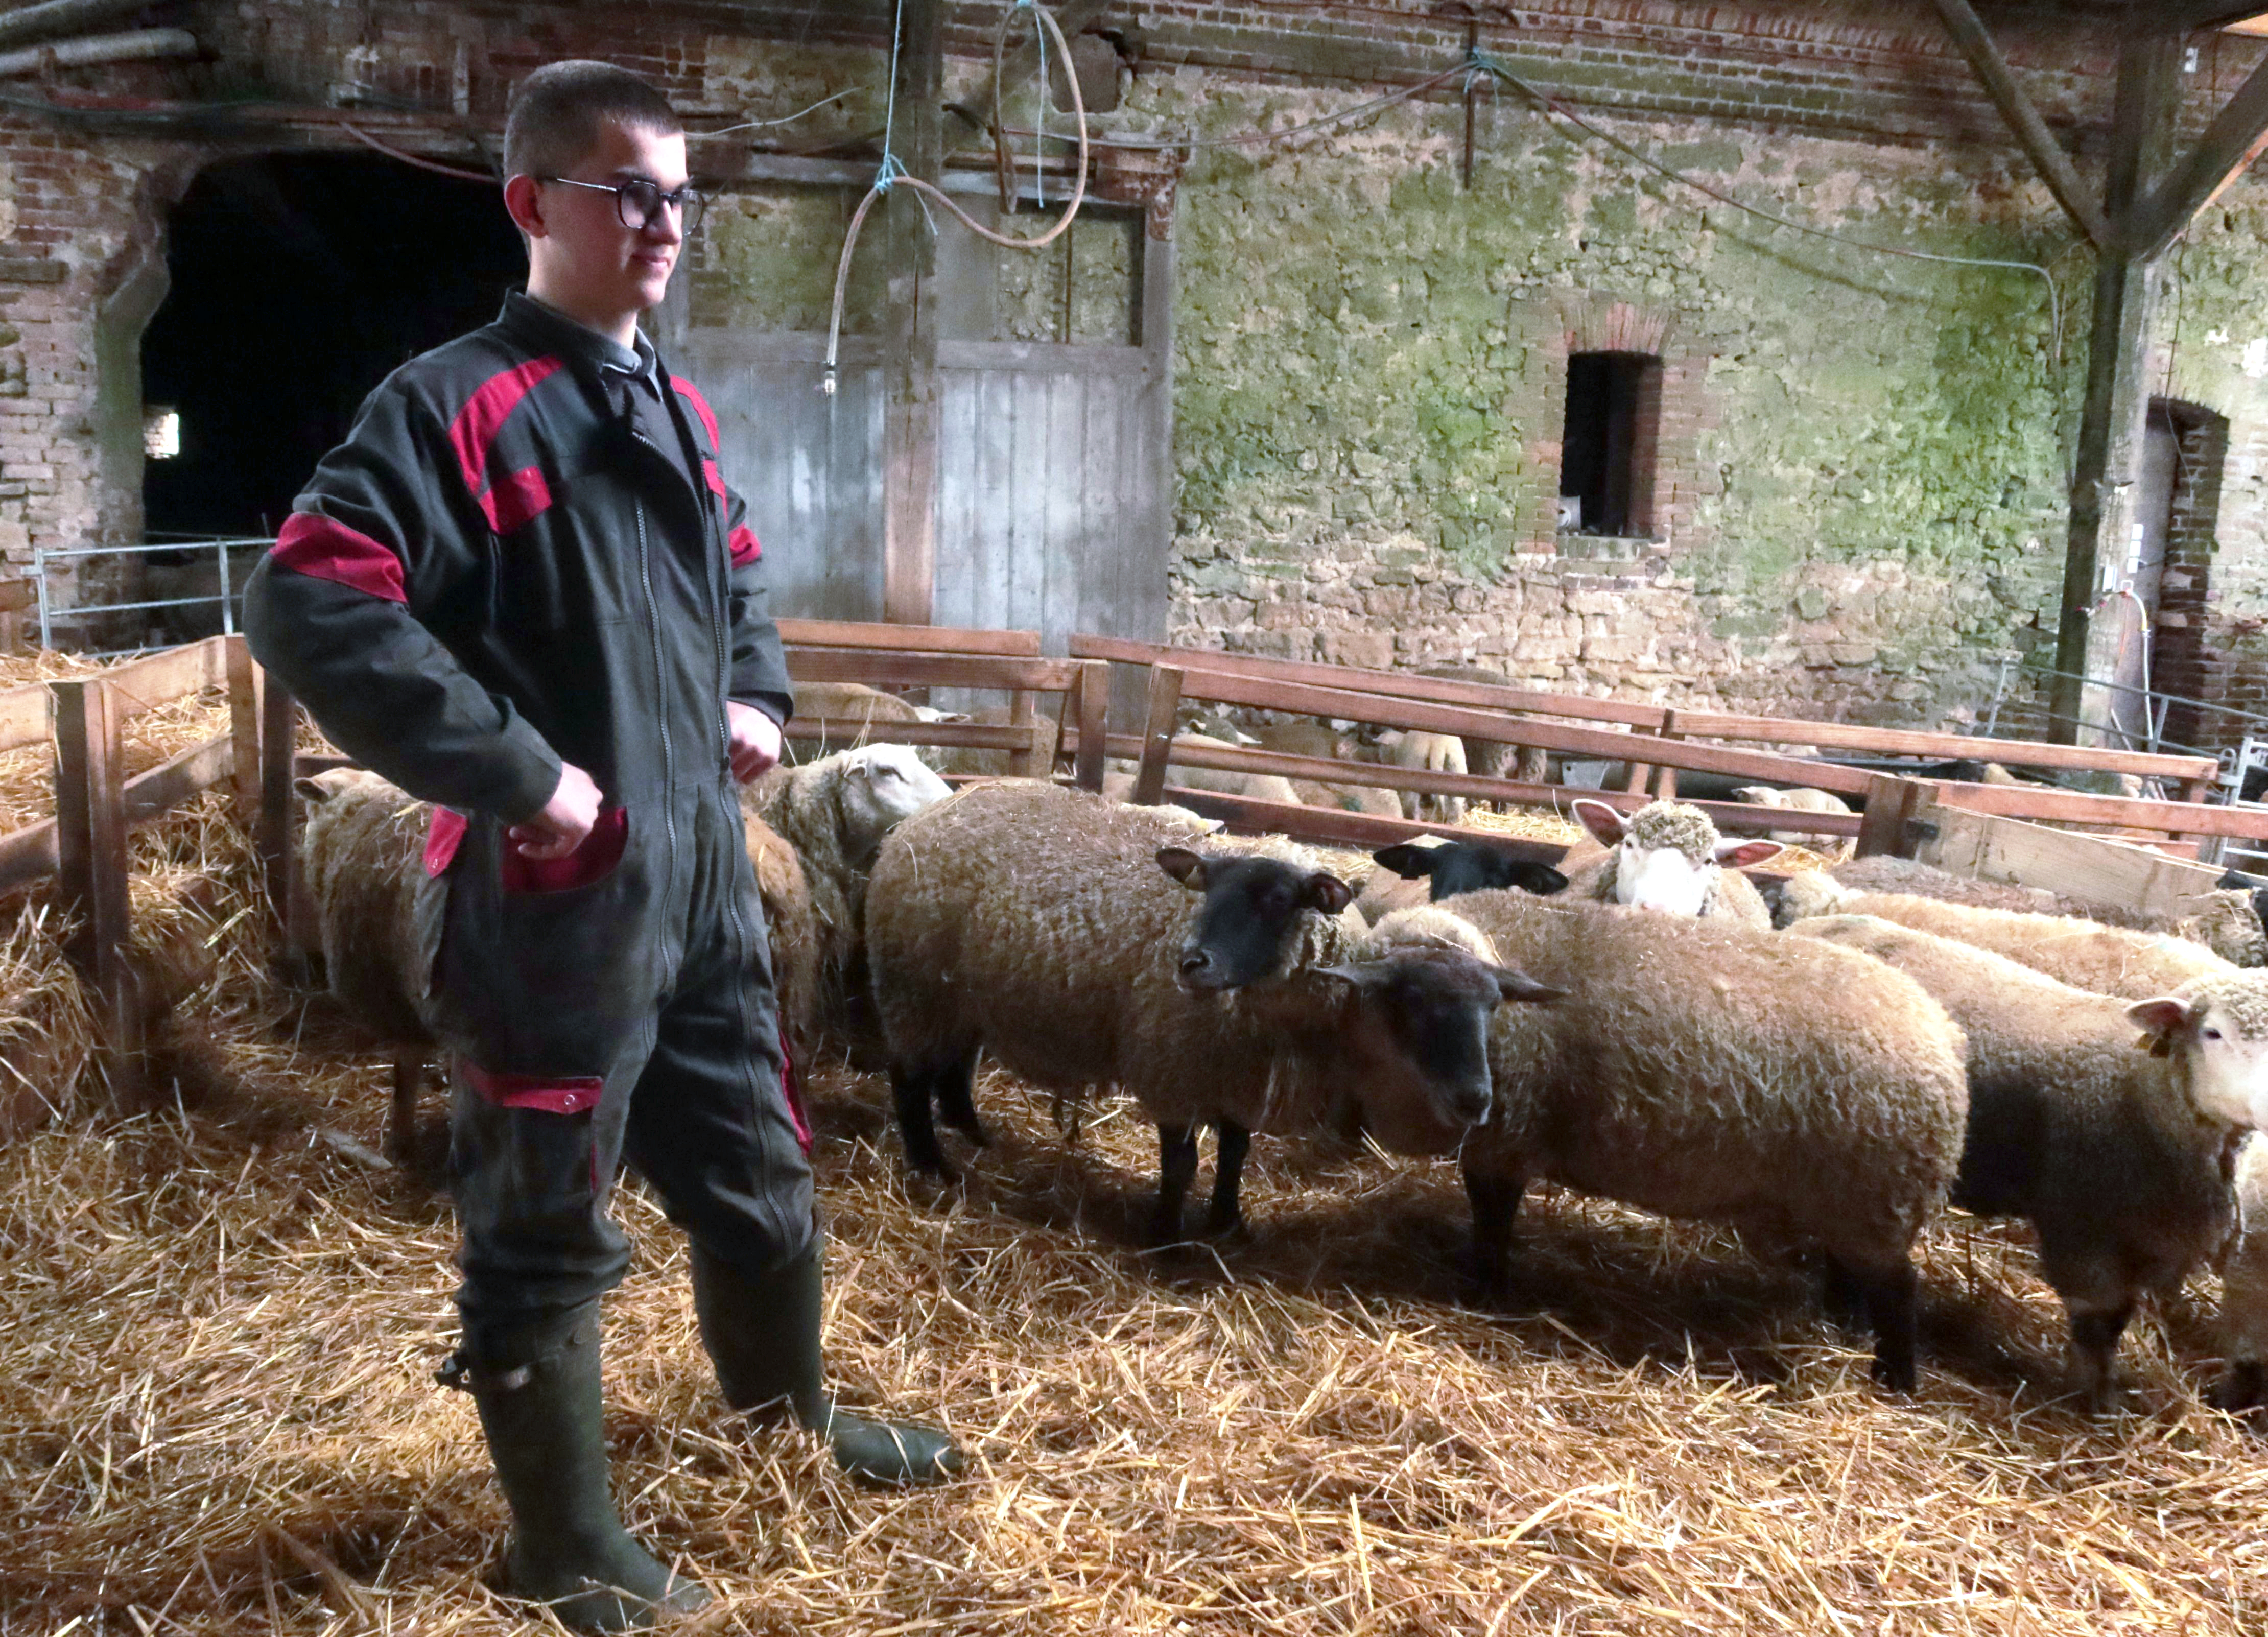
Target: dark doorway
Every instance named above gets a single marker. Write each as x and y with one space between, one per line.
1606 454
298 281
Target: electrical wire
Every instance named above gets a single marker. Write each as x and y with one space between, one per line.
891 173
434 166
712 136
1162 145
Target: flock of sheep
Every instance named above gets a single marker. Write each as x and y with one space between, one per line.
1891 1046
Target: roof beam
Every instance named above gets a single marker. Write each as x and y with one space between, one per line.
2047 155
2236 137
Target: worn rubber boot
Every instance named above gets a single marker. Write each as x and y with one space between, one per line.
544 1423
763 1335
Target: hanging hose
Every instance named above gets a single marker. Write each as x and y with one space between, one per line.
892 174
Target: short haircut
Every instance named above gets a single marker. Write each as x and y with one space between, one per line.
557 112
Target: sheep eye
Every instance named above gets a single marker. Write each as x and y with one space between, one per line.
2212 1033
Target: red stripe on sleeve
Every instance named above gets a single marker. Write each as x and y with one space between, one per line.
746 548
312 544
551 1094
700 405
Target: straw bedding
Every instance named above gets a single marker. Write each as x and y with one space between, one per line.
218 1416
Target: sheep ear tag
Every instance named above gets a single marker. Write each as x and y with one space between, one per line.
1183 866
1326 892
2159 1019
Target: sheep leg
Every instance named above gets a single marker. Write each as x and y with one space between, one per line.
1232 1143
954 1086
2094 1334
402 1113
1888 1296
911 1091
1842 1293
1177 1166
1496 1207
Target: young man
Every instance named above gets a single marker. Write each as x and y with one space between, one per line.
522 590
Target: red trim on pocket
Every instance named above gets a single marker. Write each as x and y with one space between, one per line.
601 852
516 499
746 547
700 405
548 1093
711 476
445 833
311 544
794 1089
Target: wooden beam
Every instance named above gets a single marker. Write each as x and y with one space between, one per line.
2070 806
1908 741
2031 131
1156 734
2103 487
92 863
1883 829
882 668
2236 137
1093 724
909 414
244 679
1249 816
933 639
2099 871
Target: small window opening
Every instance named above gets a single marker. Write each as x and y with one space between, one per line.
1606 462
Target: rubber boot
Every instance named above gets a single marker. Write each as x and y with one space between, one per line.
763 1335
546 1434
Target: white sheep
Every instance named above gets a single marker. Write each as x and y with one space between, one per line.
1061 935
1802 799
1118 783
1704 1069
834 812
1667 857
2244 1287
1427 753
2108 1124
2086 955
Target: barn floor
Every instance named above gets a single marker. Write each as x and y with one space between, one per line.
220 1333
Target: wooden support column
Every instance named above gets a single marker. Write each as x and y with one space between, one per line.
1882 829
244 734
278 835
909 416
1156 734
2110 429
91 856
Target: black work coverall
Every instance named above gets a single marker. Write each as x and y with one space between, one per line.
511 561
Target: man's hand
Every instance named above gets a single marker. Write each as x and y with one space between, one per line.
566 820
756 740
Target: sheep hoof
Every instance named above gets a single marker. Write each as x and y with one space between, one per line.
1231 1229
1897 1376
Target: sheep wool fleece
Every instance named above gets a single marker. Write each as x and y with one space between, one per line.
525 553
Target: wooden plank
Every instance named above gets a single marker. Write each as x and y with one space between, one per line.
1393 685
27 855
163 677
846 732
244 679
90 859
2236 137
24 716
1907 742
909 427
1333 828
1441 718
152 794
278 838
1884 831
1093 725
2172 818
882 669
2100 871
2031 131
1157 734
914 638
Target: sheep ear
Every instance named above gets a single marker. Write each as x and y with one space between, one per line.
1543 881
1411 863
1520 986
2159 1020
315 790
1604 823
1326 892
1740 855
1183 866
1355 977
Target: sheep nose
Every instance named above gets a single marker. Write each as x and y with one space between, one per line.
1470 1104
1195 961
1199 970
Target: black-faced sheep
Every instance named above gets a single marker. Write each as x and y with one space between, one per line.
1451 867
1700 1069
1064 936
2086 955
834 812
2109 1124
1667 856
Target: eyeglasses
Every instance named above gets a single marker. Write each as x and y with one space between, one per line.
638 202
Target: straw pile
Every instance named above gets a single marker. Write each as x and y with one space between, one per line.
219 1418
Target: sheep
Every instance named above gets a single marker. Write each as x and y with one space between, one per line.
2244 1287
1487 757
1668 856
1318 739
1802 799
2115 1149
1059 933
1428 753
789 916
834 812
2107 960
1698 1069
1119 785
2226 920
971 761
378 926
1451 867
